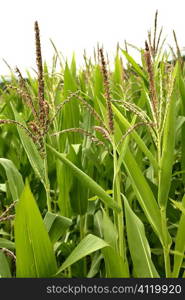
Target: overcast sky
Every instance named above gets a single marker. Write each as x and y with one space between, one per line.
75 25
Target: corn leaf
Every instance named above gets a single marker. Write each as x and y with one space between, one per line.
142 262
4 266
136 137
64 180
78 192
88 245
95 265
56 225
166 163
116 266
136 67
33 155
4 243
179 243
70 114
86 180
34 254
15 180
181 83
144 195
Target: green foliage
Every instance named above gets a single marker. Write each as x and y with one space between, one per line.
4 266
14 178
56 226
96 203
179 243
34 252
142 262
88 245
86 180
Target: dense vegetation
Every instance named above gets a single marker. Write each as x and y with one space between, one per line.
92 167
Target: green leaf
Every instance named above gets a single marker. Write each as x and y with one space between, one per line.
15 180
73 66
114 263
179 205
97 88
141 257
78 192
56 225
117 77
4 243
34 253
136 137
136 67
109 192
95 265
4 266
86 180
64 180
88 245
110 233
34 157
168 146
70 113
179 242
3 187
181 86
144 195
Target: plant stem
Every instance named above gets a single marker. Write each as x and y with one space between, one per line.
47 185
119 218
117 198
166 246
82 235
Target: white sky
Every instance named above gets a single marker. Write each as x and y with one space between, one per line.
75 25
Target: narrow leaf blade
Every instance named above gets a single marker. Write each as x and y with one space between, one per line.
34 253
86 180
4 266
15 180
143 265
88 245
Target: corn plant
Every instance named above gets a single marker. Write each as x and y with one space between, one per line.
92 166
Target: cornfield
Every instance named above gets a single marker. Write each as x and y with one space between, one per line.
92 166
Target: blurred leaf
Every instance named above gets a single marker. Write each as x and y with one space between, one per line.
4 266
88 245
109 192
95 265
4 243
56 225
181 87
114 264
179 239
3 187
136 67
117 78
33 155
15 180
